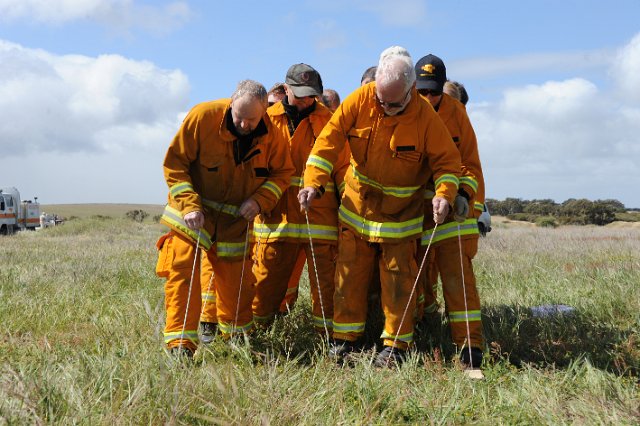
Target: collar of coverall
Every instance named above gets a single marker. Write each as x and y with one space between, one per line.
260 130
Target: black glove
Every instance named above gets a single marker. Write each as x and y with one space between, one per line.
460 208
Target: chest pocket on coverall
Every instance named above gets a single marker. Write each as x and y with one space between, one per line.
359 142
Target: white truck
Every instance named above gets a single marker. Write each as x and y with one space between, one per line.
15 214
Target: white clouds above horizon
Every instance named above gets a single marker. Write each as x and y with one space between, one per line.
120 16
564 137
74 103
400 13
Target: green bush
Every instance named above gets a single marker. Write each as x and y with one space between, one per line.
546 222
526 217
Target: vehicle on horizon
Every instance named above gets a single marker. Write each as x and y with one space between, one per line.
16 215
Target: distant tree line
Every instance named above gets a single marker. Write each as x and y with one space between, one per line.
573 211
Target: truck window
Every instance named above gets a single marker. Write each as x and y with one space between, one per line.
2 204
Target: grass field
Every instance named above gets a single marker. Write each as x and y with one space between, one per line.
81 342
114 211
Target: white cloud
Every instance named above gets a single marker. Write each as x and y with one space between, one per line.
540 62
76 103
399 13
329 35
626 69
564 139
120 15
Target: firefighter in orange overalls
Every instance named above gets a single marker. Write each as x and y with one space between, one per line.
397 144
460 233
283 234
226 165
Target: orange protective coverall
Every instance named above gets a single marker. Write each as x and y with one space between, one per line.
381 214
283 233
202 175
444 254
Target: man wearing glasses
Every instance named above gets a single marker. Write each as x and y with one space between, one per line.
283 235
398 143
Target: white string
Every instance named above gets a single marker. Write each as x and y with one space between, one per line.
315 270
413 289
464 293
193 270
244 258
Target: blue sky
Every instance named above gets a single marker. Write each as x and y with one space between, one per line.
93 91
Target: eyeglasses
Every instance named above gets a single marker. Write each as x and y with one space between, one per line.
431 92
392 105
304 97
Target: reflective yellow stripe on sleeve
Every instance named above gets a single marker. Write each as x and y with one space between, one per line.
319 162
450 230
468 180
173 218
275 189
447 178
179 188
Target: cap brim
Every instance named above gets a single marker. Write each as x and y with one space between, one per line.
429 84
302 91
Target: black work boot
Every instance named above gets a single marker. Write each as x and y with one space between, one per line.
208 332
390 357
473 360
181 353
341 349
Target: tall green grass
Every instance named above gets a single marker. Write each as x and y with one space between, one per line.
81 342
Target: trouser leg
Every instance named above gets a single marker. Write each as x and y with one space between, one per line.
235 287
325 267
274 263
398 272
182 294
291 296
451 273
207 282
354 269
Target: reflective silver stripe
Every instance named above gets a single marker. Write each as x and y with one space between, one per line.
448 178
229 209
180 187
231 329
298 181
348 327
407 338
381 229
191 335
460 316
318 322
450 230
468 180
224 249
272 187
319 162
394 191
294 230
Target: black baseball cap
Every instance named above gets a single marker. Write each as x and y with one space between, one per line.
304 80
430 73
